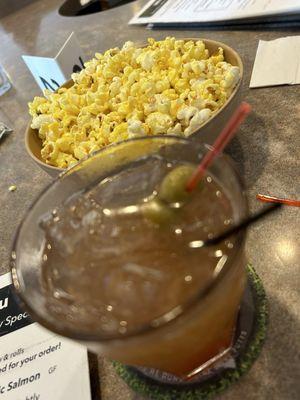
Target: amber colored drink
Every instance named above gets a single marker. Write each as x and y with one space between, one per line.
105 258
110 269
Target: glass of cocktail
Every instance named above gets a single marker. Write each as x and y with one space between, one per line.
111 254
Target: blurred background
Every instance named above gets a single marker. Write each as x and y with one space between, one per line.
68 7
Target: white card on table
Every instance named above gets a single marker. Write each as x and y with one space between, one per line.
277 62
36 364
50 73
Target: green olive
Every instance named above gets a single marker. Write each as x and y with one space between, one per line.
172 188
158 212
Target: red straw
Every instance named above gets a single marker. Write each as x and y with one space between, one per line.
220 143
272 199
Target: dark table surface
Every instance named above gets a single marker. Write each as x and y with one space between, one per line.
266 150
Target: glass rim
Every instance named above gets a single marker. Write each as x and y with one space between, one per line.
161 321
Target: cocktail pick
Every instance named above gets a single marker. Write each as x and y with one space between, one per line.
220 143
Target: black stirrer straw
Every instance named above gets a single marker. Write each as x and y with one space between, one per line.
244 224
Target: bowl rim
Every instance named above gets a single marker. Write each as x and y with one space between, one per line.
224 46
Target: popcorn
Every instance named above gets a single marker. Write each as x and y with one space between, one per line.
186 113
175 130
167 87
146 60
159 122
231 77
197 120
135 128
40 120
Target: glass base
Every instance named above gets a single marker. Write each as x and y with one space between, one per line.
217 374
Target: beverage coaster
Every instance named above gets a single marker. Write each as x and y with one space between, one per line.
247 344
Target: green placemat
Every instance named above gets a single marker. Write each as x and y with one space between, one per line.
244 355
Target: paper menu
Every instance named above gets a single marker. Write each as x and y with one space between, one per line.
277 62
189 11
36 364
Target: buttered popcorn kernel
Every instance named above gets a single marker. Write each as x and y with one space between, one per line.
168 87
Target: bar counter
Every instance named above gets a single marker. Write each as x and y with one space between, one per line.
266 150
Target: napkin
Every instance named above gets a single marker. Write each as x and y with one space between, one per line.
277 62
